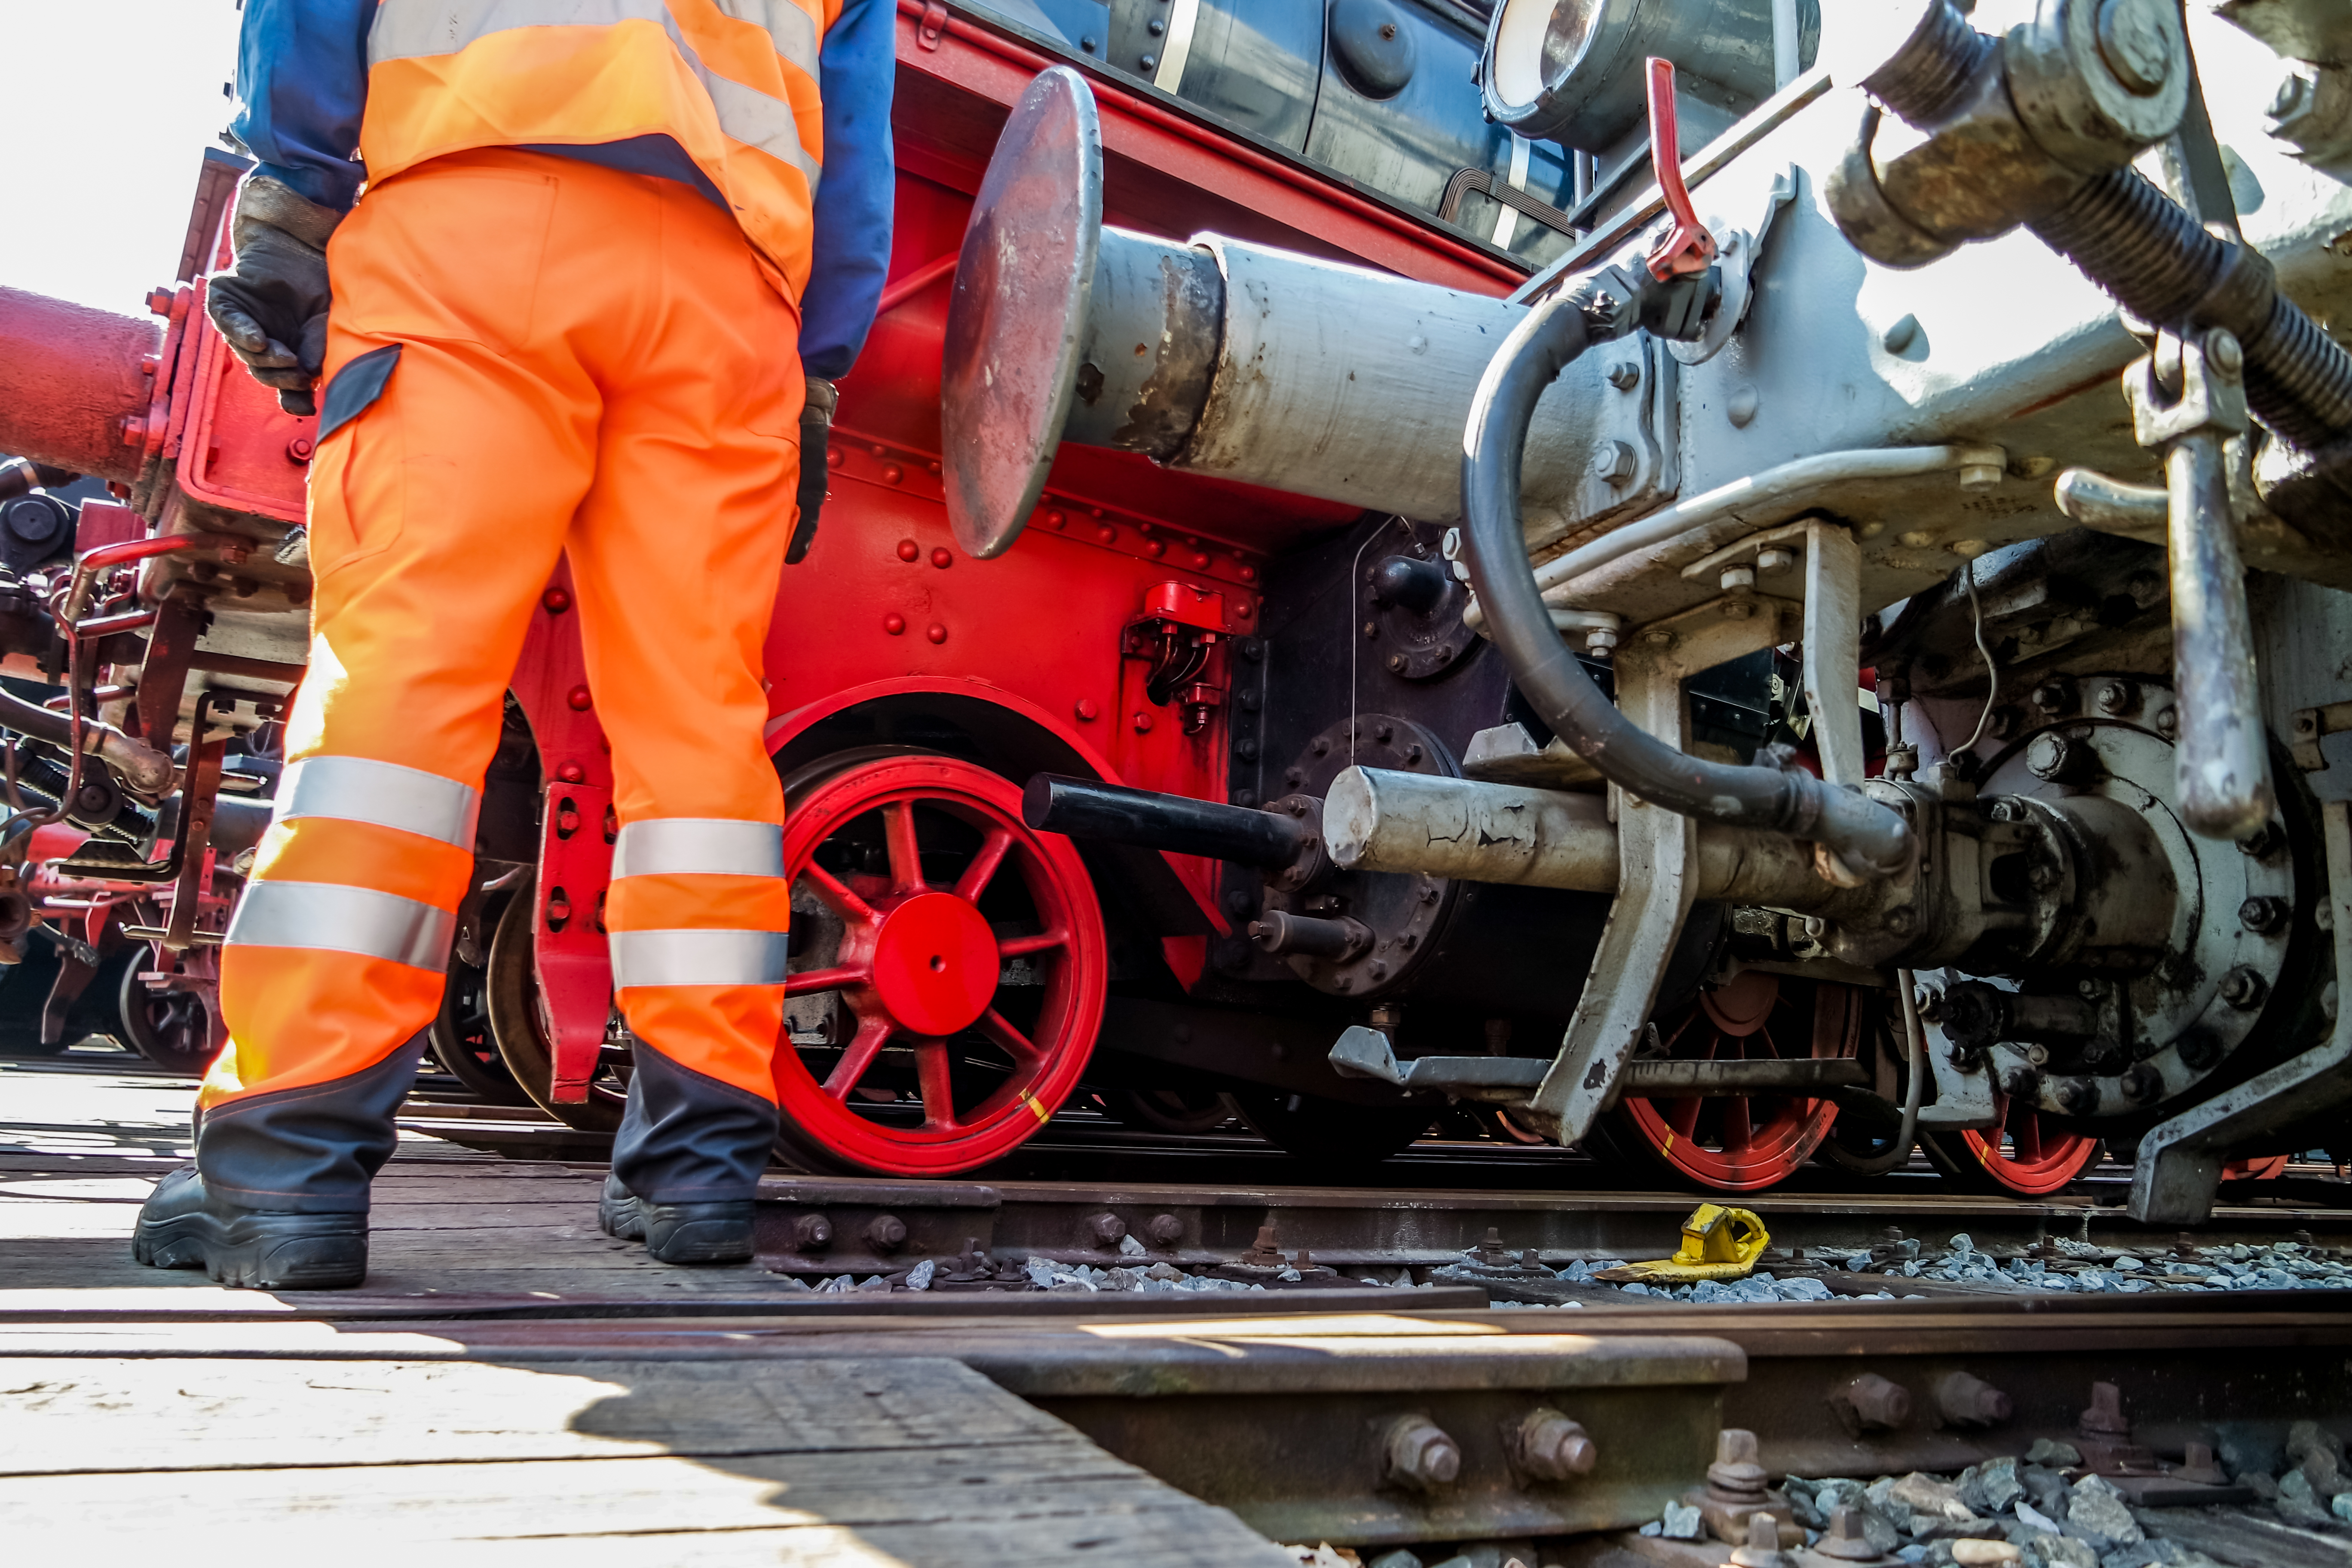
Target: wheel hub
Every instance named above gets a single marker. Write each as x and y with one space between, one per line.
935 965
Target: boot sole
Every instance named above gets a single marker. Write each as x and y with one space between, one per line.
263 1252
701 1241
621 1218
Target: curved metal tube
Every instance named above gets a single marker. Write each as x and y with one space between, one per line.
1865 834
145 769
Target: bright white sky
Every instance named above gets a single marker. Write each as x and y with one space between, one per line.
102 129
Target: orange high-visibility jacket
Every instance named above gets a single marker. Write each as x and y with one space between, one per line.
732 82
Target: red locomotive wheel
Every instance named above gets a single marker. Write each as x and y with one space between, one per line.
1744 1144
2029 1155
967 956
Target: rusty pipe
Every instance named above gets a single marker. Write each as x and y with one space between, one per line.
74 385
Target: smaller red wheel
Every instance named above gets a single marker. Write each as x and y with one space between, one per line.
966 956
1743 1143
2256 1168
2030 1154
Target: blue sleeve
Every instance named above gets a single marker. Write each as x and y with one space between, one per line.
853 196
301 83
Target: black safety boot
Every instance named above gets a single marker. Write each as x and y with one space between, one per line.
677 1233
183 1228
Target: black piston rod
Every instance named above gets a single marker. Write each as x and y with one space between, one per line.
1866 836
1084 808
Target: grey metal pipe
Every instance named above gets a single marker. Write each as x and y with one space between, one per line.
1378 820
147 771
1867 838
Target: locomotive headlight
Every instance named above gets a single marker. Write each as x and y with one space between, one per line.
1533 50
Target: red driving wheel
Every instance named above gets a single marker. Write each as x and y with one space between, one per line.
2028 1153
965 956
1744 1144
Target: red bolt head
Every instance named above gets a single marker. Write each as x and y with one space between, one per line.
159 301
835 459
571 772
567 821
909 551
892 473
936 632
894 622
1200 562
555 601
1106 534
933 466
1086 710
559 908
942 558
1056 518
1249 573
879 450
299 450
1242 611
580 700
1157 548
1142 723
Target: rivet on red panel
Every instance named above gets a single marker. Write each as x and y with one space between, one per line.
580 700
1142 722
892 473
942 558
894 622
909 551
571 772
555 601
836 458
937 632
1086 710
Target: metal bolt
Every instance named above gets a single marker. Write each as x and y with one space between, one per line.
2223 355
1613 462
1163 1230
1775 558
1103 1229
2049 755
1419 1455
1874 1404
1552 1448
2167 723
1762 1549
2077 1096
811 1232
2264 913
2142 1083
2105 1415
2243 989
2197 1465
1845 1540
1625 374
1930 1003
885 1232
1735 578
2115 696
2054 696
2134 44
2261 841
1600 642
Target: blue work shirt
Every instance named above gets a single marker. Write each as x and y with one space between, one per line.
301 78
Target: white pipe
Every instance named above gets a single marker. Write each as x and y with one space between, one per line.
1784 43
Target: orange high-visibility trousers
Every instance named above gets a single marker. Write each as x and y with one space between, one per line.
528 356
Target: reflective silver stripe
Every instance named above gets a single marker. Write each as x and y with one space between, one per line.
356 789
697 958
699 845
332 917
407 29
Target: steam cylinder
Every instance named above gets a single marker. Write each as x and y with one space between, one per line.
70 380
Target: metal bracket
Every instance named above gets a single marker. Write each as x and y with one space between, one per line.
575 968
2224 783
1657 854
2180 1165
1964 1095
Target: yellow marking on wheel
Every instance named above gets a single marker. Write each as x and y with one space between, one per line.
1032 1103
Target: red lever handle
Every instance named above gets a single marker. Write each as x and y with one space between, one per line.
1687 248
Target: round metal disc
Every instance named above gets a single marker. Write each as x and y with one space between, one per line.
1023 285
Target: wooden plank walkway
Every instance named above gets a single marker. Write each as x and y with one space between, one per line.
132 1445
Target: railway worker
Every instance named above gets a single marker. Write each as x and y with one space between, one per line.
564 320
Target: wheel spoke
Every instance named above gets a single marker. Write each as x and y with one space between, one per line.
976 876
1044 942
810 981
938 1091
864 1047
1682 1115
1739 1126
906 850
2026 1137
838 896
1022 1050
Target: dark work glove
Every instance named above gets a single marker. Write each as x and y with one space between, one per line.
816 425
271 305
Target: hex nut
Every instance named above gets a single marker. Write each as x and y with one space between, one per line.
1103 1229
1163 1230
1418 1454
1735 578
885 1232
1613 462
1869 1403
1551 1447
2243 988
2264 913
811 1232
